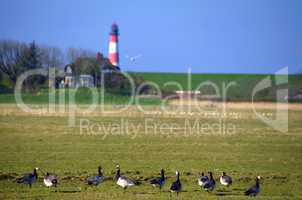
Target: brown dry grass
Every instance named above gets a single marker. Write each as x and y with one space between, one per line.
238 105
174 109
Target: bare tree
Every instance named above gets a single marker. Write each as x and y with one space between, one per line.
73 54
52 57
87 53
11 55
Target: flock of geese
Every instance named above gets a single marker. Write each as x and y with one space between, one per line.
206 183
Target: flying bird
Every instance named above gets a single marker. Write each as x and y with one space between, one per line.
133 58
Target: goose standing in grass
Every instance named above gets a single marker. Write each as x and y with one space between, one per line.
123 181
176 186
29 178
225 179
210 184
202 180
97 179
50 180
159 181
254 190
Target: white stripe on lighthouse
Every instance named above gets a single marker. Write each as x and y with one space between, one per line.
112 47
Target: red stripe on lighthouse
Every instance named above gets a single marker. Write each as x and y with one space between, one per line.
113 38
113 54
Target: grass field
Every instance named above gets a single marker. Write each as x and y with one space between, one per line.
196 79
46 141
81 96
242 91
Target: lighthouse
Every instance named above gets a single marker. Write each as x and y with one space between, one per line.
113 46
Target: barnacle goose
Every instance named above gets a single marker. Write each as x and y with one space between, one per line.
159 181
202 180
254 190
176 186
225 179
123 181
97 179
210 184
50 180
29 178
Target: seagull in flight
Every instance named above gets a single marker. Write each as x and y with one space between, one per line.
133 58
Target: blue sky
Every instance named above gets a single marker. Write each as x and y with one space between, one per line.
209 36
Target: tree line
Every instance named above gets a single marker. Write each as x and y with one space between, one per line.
17 57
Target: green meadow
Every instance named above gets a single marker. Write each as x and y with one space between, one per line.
142 143
238 87
73 154
77 96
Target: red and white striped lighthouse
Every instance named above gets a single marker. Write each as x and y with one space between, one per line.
113 45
